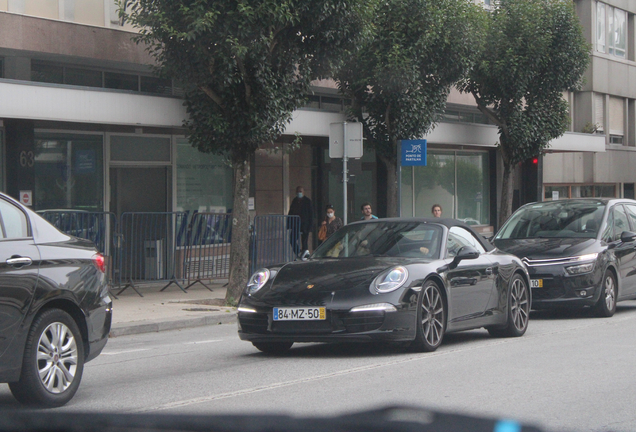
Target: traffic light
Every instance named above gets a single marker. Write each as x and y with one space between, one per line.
531 180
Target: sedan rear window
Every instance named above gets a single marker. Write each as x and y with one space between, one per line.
561 219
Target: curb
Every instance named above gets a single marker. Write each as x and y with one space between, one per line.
159 326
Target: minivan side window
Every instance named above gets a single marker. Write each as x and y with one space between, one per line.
631 214
620 222
13 223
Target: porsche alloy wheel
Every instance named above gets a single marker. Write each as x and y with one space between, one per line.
53 361
431 316
518 310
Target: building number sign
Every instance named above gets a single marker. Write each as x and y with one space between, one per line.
26 159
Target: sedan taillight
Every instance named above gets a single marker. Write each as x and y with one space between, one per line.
100 262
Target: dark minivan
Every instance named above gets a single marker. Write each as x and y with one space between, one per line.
579 252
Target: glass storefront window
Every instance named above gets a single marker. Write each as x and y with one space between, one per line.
406 188
579 191
473 199
204 181
605 191
69 171
561 192
458 181
435 184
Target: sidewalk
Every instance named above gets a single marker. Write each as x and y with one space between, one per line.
170 309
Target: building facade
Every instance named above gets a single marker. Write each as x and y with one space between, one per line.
605 107
85 125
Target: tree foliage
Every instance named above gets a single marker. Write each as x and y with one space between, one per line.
400 76
245 66
534 51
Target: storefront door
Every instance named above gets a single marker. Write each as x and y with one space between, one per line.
139 190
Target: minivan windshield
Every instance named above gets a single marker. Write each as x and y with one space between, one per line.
560 219
403 239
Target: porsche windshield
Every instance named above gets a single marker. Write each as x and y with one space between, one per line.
560 219
403 239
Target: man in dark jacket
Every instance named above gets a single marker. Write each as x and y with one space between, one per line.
301 206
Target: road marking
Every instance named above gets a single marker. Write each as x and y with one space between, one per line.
423 356
203 342
124 351
203 399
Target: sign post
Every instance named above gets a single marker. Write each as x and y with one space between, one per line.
345 141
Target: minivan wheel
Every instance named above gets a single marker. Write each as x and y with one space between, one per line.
53 361
606 305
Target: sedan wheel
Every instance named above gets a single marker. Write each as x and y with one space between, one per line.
518 310
431 319
606 305
53 361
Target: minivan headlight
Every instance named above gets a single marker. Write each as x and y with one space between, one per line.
390 280
258 280
580 269
583 268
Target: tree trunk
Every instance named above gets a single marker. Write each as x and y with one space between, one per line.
240 245
505 209
391 187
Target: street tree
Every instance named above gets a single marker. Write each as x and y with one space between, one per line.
244 66
534 51
399 78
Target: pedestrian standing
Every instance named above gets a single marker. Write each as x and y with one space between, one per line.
332 223
436 210
367 212
301 206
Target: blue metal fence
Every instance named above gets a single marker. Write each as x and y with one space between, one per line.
148 248
275 238
207 248
173 247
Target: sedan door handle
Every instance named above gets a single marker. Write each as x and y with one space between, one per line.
489 271
19 261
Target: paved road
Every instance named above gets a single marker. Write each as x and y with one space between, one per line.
571 372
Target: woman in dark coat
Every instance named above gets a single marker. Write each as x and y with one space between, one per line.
332 222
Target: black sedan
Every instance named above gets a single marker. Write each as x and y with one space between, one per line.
392 280
55 312
579 252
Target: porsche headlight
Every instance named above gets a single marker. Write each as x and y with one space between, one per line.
390 280
258 280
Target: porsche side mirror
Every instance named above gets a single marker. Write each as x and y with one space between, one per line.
305 255
628 236
465 253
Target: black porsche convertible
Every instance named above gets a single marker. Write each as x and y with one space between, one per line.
391 280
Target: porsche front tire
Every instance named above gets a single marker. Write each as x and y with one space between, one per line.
431 318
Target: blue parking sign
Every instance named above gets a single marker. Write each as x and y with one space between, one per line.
413 152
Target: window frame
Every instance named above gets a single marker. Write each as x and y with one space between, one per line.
27 221
606 30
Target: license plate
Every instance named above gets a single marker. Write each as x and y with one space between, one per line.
536 283
299 314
